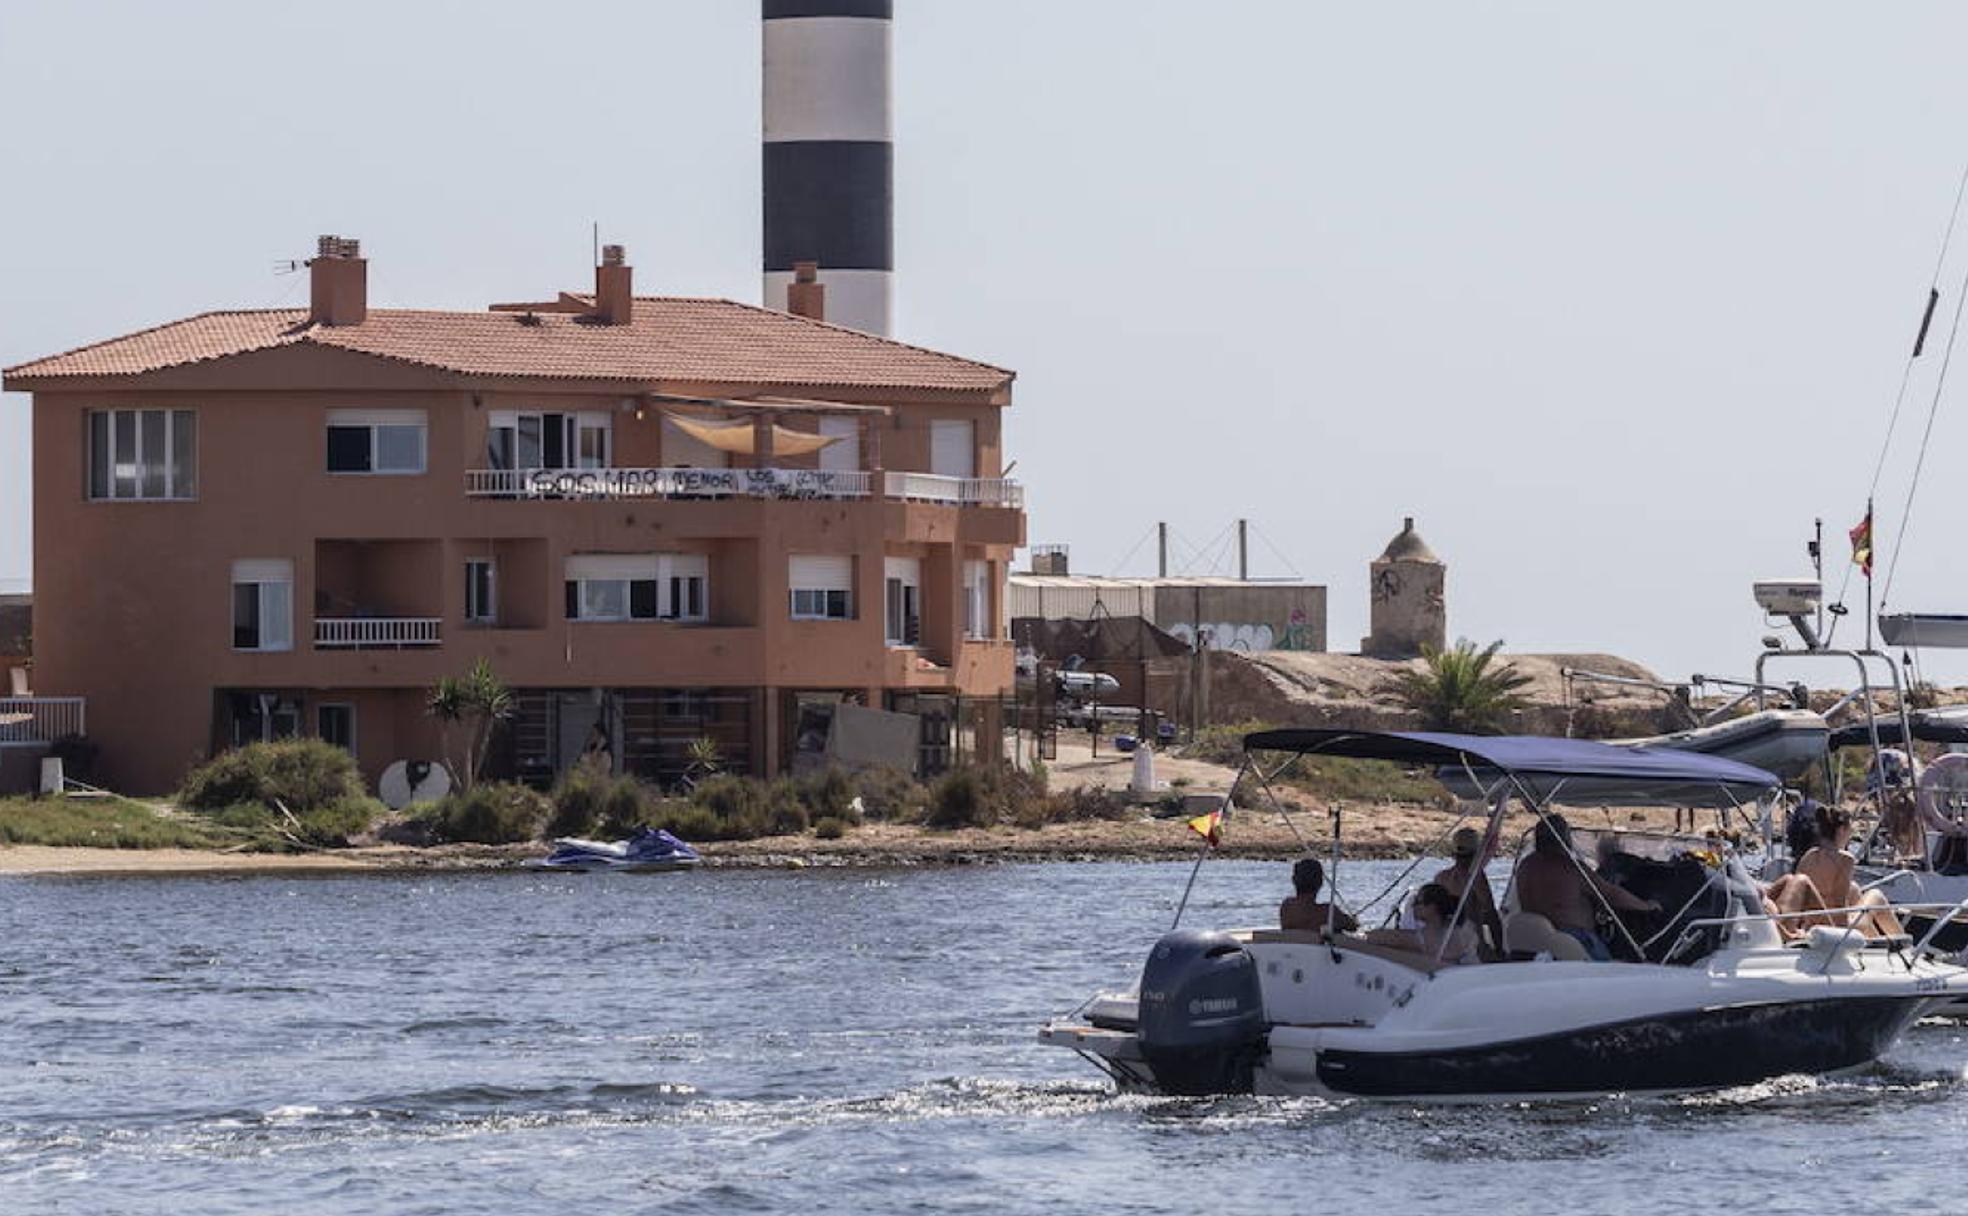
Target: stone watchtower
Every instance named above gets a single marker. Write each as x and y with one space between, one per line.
1407 611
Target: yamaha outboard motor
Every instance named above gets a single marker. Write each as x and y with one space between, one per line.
1202 1014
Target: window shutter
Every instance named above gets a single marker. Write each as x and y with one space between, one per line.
625 567
820 572
952 448
263 570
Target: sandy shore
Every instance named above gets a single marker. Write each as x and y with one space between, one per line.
1378 831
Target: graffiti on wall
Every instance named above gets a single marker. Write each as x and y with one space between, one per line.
1293 634
1228 635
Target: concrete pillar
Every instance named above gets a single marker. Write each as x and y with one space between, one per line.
762 441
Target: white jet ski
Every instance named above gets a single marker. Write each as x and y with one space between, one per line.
650 851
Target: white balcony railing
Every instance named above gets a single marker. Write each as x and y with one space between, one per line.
666 483
25 721
611 484
378 633
963 491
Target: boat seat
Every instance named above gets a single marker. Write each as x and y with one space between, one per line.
1529 934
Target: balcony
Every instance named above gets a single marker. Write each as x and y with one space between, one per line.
618 484
31 721
797 484
375 633
960 491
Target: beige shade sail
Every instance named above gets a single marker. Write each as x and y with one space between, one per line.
740 437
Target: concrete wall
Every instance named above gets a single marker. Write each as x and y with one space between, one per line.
1246 617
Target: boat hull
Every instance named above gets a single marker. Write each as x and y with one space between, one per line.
1698 1049
1353 1018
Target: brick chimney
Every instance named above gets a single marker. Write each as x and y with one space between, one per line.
806 295
614 287
339 282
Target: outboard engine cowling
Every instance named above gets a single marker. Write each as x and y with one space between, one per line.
1202 1014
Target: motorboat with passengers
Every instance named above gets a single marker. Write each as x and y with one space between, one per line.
1711 992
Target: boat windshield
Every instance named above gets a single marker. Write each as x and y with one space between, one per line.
1691 878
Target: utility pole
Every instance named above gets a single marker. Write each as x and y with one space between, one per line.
1161 549
1243 550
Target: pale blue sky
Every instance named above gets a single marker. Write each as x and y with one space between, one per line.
1613 298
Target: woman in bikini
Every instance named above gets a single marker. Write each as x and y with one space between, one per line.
1822 879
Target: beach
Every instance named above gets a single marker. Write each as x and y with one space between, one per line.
1386 831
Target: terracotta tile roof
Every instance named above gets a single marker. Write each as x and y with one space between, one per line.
671 338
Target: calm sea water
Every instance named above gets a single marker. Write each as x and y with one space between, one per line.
814 1041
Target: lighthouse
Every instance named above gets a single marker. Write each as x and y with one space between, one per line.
829 156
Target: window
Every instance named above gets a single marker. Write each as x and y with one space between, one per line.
263 605
526 440
952 447
687 576
262 717
638 587
143 455
822 587
481 591
335 723
843 455
903 607
376 441
977 600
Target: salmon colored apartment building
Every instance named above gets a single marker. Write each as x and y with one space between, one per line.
660 519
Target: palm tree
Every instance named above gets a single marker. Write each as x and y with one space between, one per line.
479 697
1456 689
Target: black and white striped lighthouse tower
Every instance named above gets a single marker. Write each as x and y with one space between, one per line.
829 154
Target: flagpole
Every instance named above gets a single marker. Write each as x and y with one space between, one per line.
1332 878
1870 528
1193 870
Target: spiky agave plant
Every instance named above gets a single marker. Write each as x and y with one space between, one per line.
1458 690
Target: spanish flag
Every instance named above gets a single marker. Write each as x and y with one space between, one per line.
1862 543
1209 827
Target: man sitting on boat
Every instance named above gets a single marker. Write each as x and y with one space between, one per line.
1480 910
1551 882
1304 909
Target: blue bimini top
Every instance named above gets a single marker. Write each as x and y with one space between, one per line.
1567 770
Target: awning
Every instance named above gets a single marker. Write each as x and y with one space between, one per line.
741 437
1577 771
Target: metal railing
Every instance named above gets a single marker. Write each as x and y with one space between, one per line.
26 721
614 484
380 633
963 491
609 484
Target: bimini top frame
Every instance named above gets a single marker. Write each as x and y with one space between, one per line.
1542 765
1535 769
